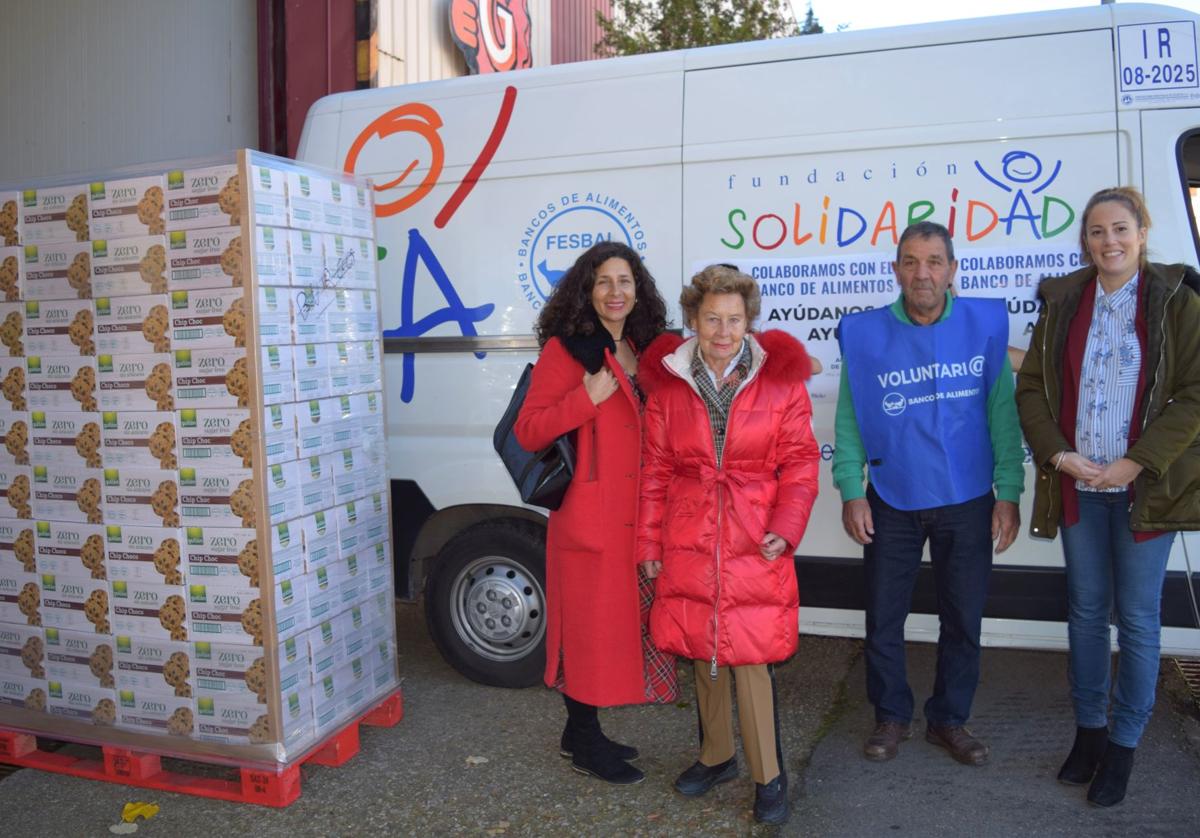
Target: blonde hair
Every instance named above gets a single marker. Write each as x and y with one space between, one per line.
1127 197
720 279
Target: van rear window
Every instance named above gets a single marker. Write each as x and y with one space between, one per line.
1189 169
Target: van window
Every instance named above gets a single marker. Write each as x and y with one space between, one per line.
1189 168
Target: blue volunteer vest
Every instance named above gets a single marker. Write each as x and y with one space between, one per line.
920 397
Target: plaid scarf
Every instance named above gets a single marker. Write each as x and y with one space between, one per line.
717 401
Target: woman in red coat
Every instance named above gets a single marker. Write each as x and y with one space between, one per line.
603 311
729 478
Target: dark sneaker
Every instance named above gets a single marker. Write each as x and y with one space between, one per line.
626 752
884 742
959 742
700 778
770 801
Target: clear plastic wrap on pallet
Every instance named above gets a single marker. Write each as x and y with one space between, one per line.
194 523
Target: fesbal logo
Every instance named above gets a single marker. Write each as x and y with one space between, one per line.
561 229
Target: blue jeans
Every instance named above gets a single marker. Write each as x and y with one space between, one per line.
960 546
1107 568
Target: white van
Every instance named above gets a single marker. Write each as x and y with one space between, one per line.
800 160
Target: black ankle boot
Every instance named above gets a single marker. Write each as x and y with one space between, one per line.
592 757
566 745
590 750
1108 789
1085 756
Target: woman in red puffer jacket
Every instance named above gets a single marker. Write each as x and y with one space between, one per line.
729 476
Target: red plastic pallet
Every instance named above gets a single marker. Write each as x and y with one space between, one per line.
262 786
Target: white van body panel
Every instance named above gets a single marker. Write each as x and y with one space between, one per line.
770 155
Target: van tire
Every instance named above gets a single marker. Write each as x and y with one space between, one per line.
485 603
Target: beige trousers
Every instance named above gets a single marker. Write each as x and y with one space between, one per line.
756 715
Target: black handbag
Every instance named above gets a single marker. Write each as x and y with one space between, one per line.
541 477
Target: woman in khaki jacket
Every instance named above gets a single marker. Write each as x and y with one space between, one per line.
1109 397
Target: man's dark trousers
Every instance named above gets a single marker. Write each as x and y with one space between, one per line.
960 548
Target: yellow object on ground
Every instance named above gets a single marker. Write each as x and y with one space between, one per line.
133 811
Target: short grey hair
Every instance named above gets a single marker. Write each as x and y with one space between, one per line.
926 230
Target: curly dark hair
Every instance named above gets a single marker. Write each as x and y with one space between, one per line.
569 310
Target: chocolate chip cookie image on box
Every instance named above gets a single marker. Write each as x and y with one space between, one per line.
153 267
96 611
248 561
81 332
12 388
252 621
105 712
87 444
237 382
101 664
79 275
8 224
91 553
229 199
165 503
10 272
231 261
29 601
88 500
12 331
241 503
16 441
36 700
32 655
260 731
234 321
77 218
158 387
176 672
149 210
162 445
181 722
23 549
256 680
154 328
18 496
171 616
83 389
242 442
166 561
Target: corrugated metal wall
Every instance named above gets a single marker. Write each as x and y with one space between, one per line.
575 33
415 43
95 85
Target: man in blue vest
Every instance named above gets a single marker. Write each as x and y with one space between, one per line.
926 405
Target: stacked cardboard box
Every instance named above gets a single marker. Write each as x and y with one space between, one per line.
194 531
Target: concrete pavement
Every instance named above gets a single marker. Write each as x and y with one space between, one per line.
471 760
1023 712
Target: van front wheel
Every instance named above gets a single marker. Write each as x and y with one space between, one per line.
485 603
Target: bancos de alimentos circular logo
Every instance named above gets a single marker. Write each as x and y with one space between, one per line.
561 230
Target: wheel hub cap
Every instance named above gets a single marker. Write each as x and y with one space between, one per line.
498 608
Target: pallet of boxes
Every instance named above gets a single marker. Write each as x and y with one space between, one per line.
195 551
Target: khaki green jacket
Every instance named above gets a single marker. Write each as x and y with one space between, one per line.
1166 495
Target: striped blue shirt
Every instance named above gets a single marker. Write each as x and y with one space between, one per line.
1108 380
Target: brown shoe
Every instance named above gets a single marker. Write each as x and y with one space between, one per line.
959 742
884 742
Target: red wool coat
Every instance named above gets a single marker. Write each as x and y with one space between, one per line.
592 615
717 599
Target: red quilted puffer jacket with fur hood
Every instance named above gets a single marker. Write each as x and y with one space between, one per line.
717 599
